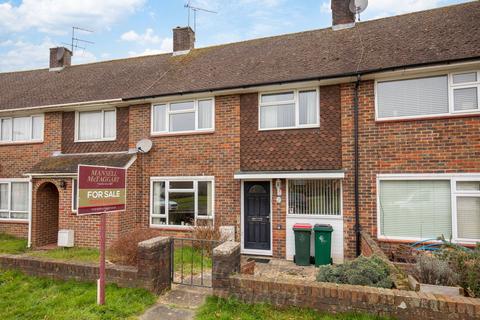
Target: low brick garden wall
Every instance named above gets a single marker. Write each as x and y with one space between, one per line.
152 271
330 297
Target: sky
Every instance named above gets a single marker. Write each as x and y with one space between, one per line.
127 28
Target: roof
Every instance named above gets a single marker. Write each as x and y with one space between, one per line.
435 36
68 164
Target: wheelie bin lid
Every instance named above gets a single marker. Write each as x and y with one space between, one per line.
302 226
322 227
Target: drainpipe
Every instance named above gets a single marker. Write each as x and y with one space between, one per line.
356 165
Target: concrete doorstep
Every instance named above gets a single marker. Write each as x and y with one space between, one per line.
180 303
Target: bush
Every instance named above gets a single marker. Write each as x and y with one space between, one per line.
372 271
207 232
124 249
431 270
466 263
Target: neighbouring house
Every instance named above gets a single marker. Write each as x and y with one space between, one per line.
371 126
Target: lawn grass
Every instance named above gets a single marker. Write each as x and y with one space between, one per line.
74 254
191 254
12 245
231 309
25 297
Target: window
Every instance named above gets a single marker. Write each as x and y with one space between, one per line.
186 116
14 200
429 96
429 207
21 129
178 201
289 109
314 197
96 125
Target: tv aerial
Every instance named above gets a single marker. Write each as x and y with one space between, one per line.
75 44
194 9
358 6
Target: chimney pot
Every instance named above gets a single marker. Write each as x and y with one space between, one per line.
60 57
183 39
342 17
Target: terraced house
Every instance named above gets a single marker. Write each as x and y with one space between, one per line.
371 126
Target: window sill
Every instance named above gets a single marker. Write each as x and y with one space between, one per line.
183 133
171 228
315 216
400 241
290 128
16 143
97 140
440 117
14 221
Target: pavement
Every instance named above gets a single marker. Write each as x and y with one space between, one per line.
180 303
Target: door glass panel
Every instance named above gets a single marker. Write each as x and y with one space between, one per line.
257 189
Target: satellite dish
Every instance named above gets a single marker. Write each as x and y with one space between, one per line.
358 6
144 145
60 52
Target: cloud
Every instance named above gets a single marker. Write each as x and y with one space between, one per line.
148 37
56 17
166 45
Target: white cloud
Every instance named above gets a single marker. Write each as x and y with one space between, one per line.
166 45
22 55
54 16
148 37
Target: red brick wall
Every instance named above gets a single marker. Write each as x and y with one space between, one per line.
214 154
293 149
68 136
413 146
17 159
279 221
46 214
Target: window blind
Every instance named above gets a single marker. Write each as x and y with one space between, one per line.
415 209
412 97
468 217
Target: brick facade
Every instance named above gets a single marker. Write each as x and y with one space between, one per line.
443 145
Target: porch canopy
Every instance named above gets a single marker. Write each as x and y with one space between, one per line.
67 165
304 174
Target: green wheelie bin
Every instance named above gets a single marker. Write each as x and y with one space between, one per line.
323 244
303 233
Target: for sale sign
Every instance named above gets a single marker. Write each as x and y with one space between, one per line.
101 189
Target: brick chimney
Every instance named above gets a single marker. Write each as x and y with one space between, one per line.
342 17
60 58
183 40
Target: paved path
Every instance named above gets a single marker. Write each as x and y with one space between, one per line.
180 303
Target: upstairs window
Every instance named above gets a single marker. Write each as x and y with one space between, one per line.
14 200
429 96
21 129
289 109
96 125
186 116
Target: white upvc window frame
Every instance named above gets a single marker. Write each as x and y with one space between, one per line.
194 190
29 200
328 216
450 88
103 110
453 178
168 113
31 140
295 101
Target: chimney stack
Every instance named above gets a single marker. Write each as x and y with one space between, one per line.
60 57
342 17
183 40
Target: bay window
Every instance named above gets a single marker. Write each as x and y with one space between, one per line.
179 201
289 109
437 95
21 129
185 116
14 200
429 207
314 197
96 125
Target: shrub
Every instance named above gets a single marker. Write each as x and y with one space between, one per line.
431 270
371 271
466 263
207 232
124 249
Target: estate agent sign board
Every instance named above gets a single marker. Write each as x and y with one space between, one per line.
101 189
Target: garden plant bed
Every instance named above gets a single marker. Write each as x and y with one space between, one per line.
434 289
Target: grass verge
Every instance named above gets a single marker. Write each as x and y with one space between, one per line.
25 297
12 245
232 309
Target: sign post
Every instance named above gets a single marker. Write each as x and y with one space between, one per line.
101 190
